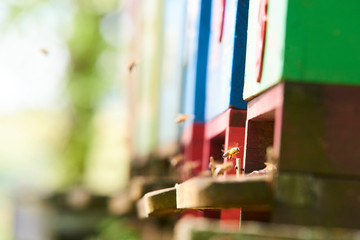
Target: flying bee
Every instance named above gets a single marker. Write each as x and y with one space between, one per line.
183 117
176 160
132 65
44 51
231 152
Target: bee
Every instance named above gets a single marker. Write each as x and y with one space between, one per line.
44 51
176 160
231 152
222 168
218 169
270 165
212 165
132 66
181 118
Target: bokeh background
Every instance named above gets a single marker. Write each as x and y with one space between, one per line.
90 91
63 106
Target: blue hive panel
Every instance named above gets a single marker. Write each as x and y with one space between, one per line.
226 62
195 59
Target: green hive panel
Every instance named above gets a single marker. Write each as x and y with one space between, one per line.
315 41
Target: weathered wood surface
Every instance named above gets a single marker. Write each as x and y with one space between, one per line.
321 130
231 192
316 201
157 202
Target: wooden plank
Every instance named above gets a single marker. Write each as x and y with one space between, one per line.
230 192
317 201
157 202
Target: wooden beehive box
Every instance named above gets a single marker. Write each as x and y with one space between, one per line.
301 41
226 61
193 89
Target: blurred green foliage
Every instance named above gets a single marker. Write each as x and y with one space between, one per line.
84 88
115 228
85 84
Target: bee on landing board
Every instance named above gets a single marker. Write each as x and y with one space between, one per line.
218 169
231 152
222 168
270 165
